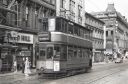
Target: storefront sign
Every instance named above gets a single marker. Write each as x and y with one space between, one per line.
20 38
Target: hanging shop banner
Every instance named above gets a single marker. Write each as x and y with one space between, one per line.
19 38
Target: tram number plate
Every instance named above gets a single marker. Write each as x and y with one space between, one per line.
56 66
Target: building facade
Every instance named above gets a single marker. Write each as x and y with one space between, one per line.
19 24
71 9
116 31
98 36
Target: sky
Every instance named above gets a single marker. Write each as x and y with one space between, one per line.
101 5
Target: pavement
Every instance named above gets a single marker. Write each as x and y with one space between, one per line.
33 72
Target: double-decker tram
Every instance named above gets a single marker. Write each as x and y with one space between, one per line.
65 48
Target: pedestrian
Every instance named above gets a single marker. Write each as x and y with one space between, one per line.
23 65
0 64
15 66
27 67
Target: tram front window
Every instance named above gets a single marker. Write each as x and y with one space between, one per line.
49 52
42 54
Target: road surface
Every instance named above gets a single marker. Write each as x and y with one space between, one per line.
109 73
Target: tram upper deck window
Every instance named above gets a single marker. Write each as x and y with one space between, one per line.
58 24
45 25
51 24
49 52
70 29
76 30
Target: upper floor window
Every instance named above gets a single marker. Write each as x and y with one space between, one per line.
71 5
106 33
26 12
62 3
111 32
79 10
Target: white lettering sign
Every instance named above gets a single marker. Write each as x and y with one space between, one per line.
21 38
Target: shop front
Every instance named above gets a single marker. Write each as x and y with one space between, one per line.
16 47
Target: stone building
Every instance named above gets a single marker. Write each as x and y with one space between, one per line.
19 23
97 36
71 9
116 31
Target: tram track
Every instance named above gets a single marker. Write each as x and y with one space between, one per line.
101 76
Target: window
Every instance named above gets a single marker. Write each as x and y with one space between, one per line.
82 32
72 10
57 51
111 32
62 3
106 33
70 29
75 52
26 12
79 10
58 24
70 52
72 6
79 52
49 52
65 26
45 24
62 25
64 52
76 30
42 53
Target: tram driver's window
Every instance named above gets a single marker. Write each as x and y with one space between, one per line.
42 54
57 49
49 52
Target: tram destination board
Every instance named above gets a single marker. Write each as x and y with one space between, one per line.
44 37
